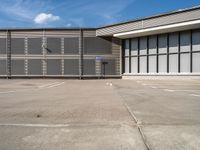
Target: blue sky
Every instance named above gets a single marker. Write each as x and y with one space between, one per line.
82 13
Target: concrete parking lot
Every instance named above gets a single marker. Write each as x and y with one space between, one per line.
51 114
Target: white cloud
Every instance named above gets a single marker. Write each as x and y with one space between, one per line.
44 18
68 25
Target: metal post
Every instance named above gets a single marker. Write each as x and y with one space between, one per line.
168 53
8 51
81 54
179 55
147 54
191 49
129 55
157 56
138 55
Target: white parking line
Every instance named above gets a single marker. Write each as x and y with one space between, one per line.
168 90
37 125
195 95
45 85
50 85
54 85
7 92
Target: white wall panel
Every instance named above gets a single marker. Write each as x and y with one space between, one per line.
173 63
173 42
143 64
196 40
185 63
162 43
152 64
162 64
134 47
127 65
185 41
134 65
152 45
196 63
143 45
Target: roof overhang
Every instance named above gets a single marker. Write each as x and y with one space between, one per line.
160 29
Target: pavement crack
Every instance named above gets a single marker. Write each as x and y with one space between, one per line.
138 123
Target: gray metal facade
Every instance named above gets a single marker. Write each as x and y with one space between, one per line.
171 53
57 53
165 19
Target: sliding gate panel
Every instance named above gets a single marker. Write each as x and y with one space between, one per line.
54 67
2 45
17 45
35 46
3 67
71 45
17 67
71 67
35 67
53 46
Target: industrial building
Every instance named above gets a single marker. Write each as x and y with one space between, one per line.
166 44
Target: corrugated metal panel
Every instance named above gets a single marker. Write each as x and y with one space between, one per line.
196 40
35 46
116 53
3 34
54 67
173 63
143 45
89 33
96 45
119 28
2 67
134 64
71 67
2 45
173 42
35 67
196 62
143 64
152 45
89 67
134 47
185 63
62 33
174 18
17 67
53 46
162 43
162 64
151 22
71 45
152 64
17 46
185 41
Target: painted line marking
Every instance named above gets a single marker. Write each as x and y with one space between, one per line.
168 90
37 125
195 95
7 92
50 85
45 85
54 85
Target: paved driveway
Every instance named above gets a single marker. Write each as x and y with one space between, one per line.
99 114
